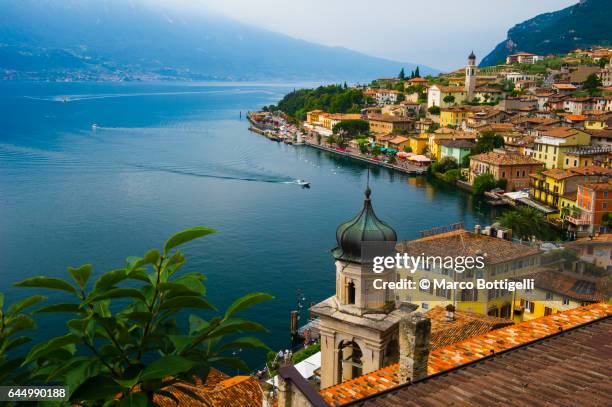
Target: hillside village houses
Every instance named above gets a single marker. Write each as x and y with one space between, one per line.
547 122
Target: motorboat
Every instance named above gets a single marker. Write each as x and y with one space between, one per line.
302 183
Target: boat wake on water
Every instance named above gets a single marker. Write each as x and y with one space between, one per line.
194 173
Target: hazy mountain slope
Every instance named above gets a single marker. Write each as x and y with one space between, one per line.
125 37
584 24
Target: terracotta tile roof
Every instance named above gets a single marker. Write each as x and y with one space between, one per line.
389 118
591 170
471 350
464 325
456 143
566 369
564 86
219 390
599 186
464 243
604 133
399 139
558 173
509 158
561 132
573 285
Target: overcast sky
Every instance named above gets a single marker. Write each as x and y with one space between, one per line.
438 33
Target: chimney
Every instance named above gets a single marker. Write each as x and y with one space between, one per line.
414 331
450 312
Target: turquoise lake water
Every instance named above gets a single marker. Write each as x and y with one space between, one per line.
171 156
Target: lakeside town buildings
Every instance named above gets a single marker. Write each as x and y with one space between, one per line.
546 118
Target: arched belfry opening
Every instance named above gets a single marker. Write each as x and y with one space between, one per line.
350 364
351 293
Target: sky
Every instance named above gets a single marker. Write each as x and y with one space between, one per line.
437 33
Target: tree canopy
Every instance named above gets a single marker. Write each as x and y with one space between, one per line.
123 343
351 128
331 98
488 141
483 183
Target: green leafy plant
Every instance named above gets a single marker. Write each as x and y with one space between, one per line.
13 322
124 343
483 183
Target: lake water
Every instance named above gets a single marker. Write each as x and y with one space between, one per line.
171 156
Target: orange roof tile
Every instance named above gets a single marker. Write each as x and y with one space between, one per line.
467 351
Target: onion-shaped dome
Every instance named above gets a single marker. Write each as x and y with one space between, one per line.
365 227
472 56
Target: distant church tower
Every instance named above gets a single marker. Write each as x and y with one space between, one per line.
470 76
359 324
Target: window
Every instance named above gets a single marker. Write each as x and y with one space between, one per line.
424 305
351 293
547 311
604 205
566 301
529 306
567 161
549 295
575 163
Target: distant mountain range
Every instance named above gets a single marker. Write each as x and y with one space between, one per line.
584 24
119 39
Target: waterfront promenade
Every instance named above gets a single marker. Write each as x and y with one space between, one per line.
398 166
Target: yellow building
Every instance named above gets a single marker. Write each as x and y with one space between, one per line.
504 259
331 119
453 116
418 143
556 290
435 149
313 117
557 188
550 146
382 123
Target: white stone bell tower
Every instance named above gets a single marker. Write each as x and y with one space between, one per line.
470 76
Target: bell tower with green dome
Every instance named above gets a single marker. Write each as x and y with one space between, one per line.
355 290
359 324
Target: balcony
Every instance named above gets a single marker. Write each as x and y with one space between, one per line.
577 221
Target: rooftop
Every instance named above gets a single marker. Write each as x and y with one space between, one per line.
388 118
219 390
507 158
464 243
572 285
561 132
456 143
558 173
562 369
486 348
464 325
598 186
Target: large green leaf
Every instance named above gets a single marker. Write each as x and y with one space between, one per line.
81 274
246 301
186 236
64 307
237 325
196 324
168 365
118 293
8 345
134 400
150 257
18 323
51 345
25 303
231 362
108 280
244 342
96 388
47 282
180 342
1 302
186 302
